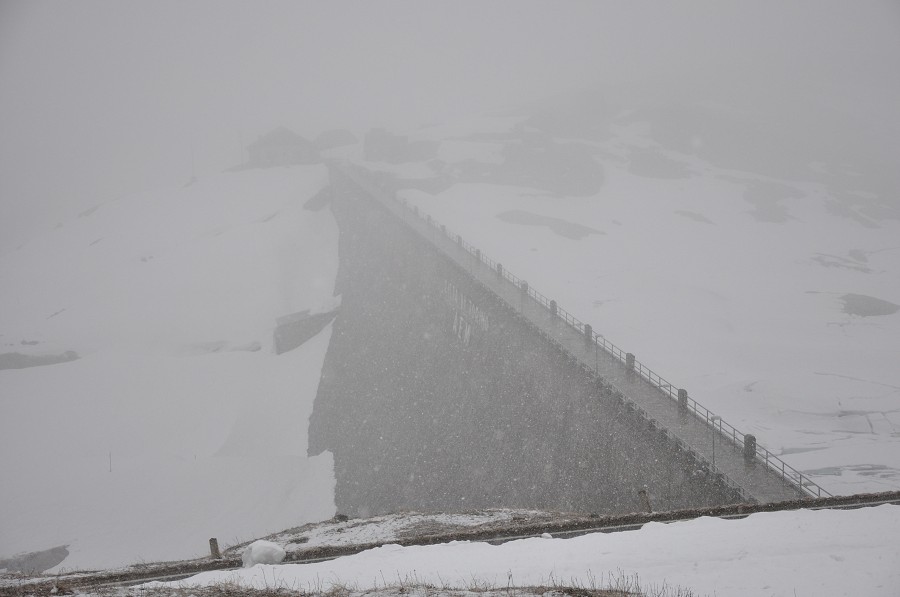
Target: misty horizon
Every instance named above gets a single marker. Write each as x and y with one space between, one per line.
101 99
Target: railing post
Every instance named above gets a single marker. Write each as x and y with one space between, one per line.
524 287
629 364
553 309
214 552
459 239
478 255
444 229
500 269
588 333
749 447
682 399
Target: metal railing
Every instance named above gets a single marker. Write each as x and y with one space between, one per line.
715 422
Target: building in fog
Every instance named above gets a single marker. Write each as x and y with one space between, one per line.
281 147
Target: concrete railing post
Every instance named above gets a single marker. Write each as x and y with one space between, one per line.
553 310
682 399
749 447
500 270
588 333
629 364
478 255
524 287
214 552
459 239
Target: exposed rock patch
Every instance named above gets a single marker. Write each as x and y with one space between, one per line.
557 225
652 164
295 329
692 215
36 561
17 360
867 306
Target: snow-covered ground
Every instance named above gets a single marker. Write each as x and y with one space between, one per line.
179 422
393 527
826 552
774 302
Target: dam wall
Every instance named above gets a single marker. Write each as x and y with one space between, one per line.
438 395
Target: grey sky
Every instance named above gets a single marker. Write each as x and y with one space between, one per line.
98 99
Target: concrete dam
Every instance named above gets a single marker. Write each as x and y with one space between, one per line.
450 385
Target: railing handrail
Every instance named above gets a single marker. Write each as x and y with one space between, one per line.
719 425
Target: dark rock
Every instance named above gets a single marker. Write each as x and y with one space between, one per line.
17 360
293 330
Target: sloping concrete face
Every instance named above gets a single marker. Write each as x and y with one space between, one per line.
437 396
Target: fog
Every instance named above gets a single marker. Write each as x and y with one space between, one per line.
100 99
712 186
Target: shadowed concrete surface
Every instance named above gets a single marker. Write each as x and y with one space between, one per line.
438 395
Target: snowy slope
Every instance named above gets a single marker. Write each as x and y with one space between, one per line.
826 552
773 301
178 423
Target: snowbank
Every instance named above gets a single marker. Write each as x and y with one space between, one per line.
826 552
262 552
